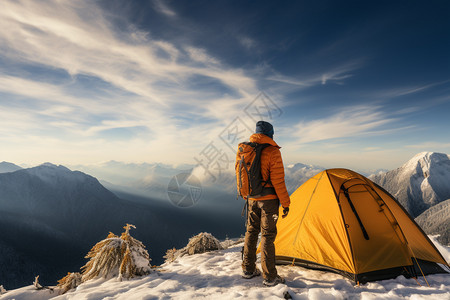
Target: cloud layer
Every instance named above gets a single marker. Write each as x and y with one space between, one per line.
82 83
111 79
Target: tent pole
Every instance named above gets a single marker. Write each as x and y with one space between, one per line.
418 265
404 237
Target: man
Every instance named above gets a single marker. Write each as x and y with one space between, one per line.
263 210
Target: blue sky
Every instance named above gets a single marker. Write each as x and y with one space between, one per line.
356 84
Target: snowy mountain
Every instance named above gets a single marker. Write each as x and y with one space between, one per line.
50 190
63 213
54 210
436 220
297 174
217 275
6 167
419 184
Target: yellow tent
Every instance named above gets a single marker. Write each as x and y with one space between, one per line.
341 221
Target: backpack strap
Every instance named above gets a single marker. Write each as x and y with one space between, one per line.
264 146
240 172
246 171
265 190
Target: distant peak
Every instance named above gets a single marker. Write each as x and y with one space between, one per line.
426 160
7 163
422 155
47 164
53 166
430 156
300 166
6 167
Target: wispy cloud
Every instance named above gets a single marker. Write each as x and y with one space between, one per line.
148 82
163 8
407 90
350 122
247 42
58 37
200 55
336 75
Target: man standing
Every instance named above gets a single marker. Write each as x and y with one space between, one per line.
263 209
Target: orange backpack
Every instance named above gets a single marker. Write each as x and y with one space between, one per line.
248 171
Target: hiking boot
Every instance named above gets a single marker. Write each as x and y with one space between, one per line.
274 281
248 275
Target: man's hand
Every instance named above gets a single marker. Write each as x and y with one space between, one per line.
285 212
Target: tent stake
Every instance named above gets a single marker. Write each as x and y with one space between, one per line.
418 265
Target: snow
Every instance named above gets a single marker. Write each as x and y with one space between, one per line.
217 275
444 250
436 220
420 183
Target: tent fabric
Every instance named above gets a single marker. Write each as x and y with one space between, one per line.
341 221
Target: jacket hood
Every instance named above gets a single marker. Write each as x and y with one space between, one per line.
262 139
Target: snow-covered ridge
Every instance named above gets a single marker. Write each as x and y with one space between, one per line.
53 174
420 183
217 275
436 220
425 159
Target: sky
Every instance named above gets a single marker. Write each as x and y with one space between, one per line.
355 84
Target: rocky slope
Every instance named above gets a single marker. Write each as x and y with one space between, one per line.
436 220
420 183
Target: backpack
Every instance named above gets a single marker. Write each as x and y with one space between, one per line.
248 171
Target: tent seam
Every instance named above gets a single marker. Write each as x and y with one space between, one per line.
310 199
336 195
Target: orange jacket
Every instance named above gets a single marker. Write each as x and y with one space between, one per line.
271 164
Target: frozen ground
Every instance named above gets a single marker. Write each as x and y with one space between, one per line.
217 275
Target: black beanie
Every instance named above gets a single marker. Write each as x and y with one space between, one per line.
264 128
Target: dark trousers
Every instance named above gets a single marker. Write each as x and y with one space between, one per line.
262 217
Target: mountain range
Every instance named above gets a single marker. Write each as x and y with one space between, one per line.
52 216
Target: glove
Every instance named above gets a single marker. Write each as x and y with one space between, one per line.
285 212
